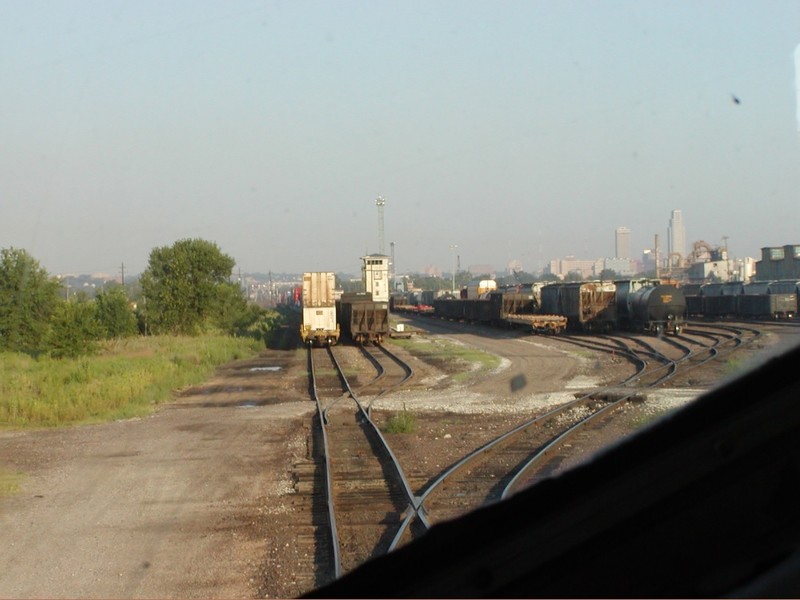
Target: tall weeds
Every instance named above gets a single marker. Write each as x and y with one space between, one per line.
126 378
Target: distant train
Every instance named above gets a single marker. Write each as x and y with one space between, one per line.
328 315
757 300
634 305
319 325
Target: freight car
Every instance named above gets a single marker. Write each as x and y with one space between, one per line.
501 309
656 309
758 300
319 325
361 319
588 306
645 305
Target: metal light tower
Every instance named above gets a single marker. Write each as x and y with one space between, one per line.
380 203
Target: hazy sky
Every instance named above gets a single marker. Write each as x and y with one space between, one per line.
525 130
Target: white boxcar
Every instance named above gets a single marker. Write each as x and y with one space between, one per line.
319 309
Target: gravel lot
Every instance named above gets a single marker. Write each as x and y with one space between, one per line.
199 500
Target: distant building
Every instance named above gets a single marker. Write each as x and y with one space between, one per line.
745 268
648 260
718 270
621 266
779 263
587 269
375 274
622 245
676 240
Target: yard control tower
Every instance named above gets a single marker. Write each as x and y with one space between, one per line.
375 274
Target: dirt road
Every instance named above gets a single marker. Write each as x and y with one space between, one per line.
168 506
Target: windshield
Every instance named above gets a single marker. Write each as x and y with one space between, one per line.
173 174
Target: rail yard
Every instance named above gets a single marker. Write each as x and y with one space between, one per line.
304 479
315 482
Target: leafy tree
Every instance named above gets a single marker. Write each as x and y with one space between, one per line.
182 285
75 330
231 312
114 313
28 299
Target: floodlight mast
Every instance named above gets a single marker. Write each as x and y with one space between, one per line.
380 202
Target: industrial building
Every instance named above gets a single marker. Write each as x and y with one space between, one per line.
779 263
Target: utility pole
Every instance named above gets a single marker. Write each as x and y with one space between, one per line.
123 275
391 267
453 251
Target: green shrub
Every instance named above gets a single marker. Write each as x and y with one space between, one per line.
74 330
402 422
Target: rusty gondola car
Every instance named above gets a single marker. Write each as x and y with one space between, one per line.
361 319
588 306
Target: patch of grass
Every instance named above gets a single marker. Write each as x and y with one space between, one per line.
9 482
402 422
462 362
733 366
125 379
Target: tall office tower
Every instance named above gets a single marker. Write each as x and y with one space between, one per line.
623 243
676 240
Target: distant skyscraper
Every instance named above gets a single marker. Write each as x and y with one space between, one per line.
676 240
623 243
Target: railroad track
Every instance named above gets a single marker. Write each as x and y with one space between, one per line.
367 495
373 509
392 372
535 449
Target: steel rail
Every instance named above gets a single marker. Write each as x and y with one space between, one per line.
670 364
497 442
335 545
409 373
517 478
414 502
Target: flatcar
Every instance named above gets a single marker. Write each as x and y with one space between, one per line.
319 325
361 319
507 308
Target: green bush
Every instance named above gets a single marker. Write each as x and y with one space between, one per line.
402 422
115 315
74 330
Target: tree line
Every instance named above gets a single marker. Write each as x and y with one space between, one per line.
185 290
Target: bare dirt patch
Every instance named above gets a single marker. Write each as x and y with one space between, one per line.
174 505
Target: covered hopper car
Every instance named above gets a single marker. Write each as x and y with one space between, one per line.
757 300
